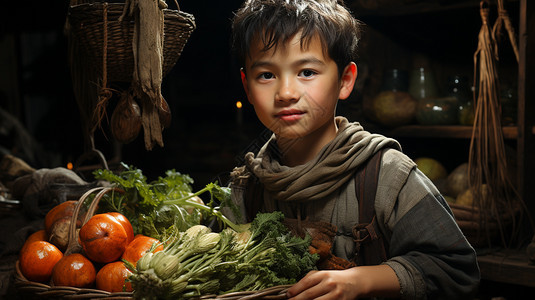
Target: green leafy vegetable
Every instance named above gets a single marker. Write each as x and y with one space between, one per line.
165 205
196 261
199 262
272 254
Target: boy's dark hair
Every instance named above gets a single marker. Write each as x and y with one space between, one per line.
277 21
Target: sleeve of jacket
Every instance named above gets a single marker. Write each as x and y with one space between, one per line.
429 253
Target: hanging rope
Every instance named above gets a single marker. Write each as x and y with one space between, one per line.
105 93
85 94
494 194
503 19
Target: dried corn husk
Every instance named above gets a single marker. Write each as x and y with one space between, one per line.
147 46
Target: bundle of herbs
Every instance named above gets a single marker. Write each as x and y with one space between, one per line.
200 262
165 205
196 260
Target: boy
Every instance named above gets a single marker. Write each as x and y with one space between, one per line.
297 59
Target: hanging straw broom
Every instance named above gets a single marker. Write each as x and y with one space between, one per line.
494 194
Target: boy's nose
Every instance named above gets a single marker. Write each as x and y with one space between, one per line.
287 92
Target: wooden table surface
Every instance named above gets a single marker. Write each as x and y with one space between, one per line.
507 266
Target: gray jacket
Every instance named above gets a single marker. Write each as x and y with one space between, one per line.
428 251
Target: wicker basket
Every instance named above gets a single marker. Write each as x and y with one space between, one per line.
468 218
87 26
42 291
35 290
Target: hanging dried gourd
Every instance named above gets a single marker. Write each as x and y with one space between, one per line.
125 121
495 196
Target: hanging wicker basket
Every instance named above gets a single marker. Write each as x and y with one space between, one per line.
87 24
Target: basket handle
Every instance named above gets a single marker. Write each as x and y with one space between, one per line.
73 245
93 207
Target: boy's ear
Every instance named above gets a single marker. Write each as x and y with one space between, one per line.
244 81
349 76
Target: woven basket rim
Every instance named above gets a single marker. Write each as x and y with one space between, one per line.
114 7
23 283
42 289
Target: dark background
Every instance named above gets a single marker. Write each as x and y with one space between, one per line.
204 138
43 124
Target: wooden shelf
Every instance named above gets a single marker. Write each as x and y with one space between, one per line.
511 266
445 131
398 8
446 34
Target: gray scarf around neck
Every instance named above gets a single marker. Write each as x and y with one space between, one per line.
333 166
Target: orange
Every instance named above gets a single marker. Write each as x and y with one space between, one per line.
138 247
103 238
112 278
64 209
39 235
74 270
37 260
126 224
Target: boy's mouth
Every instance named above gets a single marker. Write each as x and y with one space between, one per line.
290 114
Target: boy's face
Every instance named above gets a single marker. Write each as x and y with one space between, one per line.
294 91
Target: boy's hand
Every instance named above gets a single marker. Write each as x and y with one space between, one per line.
365 281
339 284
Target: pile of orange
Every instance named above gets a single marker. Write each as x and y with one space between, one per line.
106 239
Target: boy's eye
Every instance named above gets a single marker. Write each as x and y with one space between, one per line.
307 73
266 75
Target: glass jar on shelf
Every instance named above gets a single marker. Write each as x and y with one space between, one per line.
422 84
393 105
437 111
459 88
432 109
509 103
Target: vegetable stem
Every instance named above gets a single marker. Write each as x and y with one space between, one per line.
185 201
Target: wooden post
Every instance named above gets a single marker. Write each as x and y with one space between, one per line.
526 104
